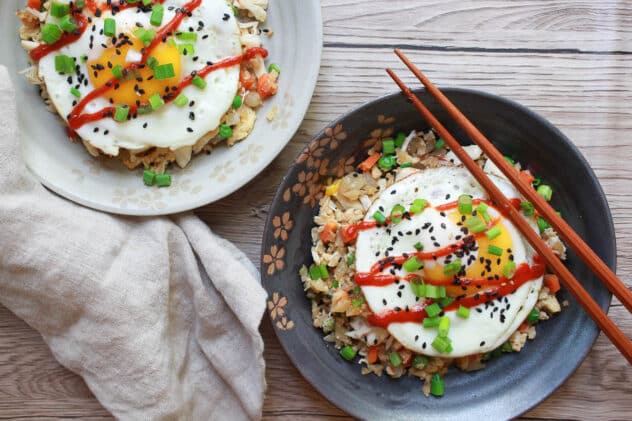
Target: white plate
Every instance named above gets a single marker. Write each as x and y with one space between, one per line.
105 184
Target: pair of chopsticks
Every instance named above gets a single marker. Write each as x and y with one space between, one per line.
590 258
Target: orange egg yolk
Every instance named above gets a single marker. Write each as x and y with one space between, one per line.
137 86
474 271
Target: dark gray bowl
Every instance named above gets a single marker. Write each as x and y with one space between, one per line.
509 385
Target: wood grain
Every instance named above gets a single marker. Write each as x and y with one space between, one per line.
570 61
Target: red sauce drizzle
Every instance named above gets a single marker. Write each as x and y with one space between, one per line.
76 119
524 273
495 287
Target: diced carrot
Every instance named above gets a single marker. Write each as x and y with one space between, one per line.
371 356
368 163
329 232
266 86
552 282
34 4
524 326
527 176
246 79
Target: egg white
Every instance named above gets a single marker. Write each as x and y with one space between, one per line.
166 127
483 331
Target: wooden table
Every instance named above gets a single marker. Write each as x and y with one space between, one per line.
571 61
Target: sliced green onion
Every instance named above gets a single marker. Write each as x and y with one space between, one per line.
441 343
157 10
109 27
121 113
388 146
235 10
441 291
465 204
452 268
506 347
350 258
146 36
432 291
510 269
145 2
413 264
324 273
533 316
444 326
493 232
274 68
400 139
356 290
463 312
418 246
146 109
84 58
181 100
67 23
406 165
418 288
527 208
186 49
418 206
187 36
495 250
335 284
198 82
536 181
64 64
149 177
475 224
117 71
357 302
386 163
440 144
433 310
51 33
59 10
420 360
348 353
510 160
80 4
314 273
437 385
164 71
156 101
75 92
481 210
543 224
225 131
152 62
237 101
379 217
163 180
445 301
431 322
397 213
395 359
545 191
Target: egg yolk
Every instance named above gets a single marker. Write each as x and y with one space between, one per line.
135 87
478 269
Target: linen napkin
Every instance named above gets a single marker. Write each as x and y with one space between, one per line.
158 315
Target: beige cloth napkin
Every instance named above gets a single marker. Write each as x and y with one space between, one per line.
159 316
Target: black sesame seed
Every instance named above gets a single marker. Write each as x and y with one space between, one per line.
190 130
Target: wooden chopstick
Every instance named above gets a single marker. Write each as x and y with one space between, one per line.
590 258
617 337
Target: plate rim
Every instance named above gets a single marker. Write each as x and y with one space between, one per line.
337 401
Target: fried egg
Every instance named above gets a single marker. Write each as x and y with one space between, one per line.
488 325
208 34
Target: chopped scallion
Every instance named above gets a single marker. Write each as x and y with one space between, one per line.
397 213
433 310
51 33
395 359
181 100
400 139
335 284
314 273
324 273
542 224
418 287
533 316
146 36
67 23
431 322
59 10
418 246
157 11
225 131
164 71
527 208
121 113
420 361
493 232
75 92
495 250
64 64
198 82
441 344
386 163
465 204
350 258
388 146
444 327
109 27
440 144
187 36
406 165
437 385
163 180
379 217
432 291
545 191
156 101
149 177
152 62
445 301
418 206
475 224
274 68
452 268
463 312
510 269
413 264
237 101
117 71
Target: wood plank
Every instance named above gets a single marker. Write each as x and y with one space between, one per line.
566 26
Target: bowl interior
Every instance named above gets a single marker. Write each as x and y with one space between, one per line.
509 385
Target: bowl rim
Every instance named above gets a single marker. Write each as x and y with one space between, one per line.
573 149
